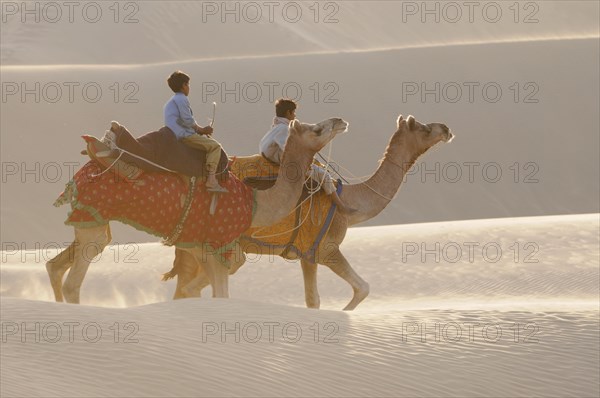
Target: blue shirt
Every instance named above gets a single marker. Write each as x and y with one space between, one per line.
179 116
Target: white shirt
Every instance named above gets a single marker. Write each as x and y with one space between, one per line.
272 144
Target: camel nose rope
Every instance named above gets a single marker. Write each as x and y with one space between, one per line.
362 180
365 178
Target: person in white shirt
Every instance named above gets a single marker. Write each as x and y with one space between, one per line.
272 144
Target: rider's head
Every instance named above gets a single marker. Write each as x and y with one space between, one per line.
285 108
179 82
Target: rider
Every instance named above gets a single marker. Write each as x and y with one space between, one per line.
272 144
179 118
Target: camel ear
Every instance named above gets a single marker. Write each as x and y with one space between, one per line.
295 126
400 119
412 123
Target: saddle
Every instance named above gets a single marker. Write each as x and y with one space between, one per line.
261 173
157 151
302 231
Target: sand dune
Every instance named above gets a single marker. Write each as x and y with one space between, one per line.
524 39
176 31
504 159
177 349
483 271
469 328
449 265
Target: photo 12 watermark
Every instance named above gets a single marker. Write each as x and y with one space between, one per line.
42 252
68 332
52 92
453 12
269 332
474 172
252 12
69 12
54 172
268 91
469 332
490 92
469 252
37 172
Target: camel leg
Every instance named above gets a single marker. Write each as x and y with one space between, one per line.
338 264
194 287
217 274
186 265
311 293
57 267
221 285
91 242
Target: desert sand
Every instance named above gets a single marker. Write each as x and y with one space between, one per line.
483 270
519 318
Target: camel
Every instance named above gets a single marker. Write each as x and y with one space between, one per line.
304 141
411 140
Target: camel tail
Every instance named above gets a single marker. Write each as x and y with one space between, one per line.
170 275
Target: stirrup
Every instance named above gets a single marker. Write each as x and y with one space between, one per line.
217 189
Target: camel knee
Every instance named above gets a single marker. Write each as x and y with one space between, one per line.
51 269
62 260
95 238
102 241
362 290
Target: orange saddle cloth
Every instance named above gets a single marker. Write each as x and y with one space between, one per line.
304 228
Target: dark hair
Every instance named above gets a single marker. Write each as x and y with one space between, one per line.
282 106
177 80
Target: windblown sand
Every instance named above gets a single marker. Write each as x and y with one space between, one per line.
518 319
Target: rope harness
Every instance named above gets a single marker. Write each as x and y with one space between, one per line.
171 239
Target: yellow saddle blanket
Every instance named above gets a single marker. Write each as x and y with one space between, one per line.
304 228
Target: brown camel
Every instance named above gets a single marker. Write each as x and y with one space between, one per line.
304 141
408 143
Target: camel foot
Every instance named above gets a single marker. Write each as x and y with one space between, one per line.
359 295
55 281
72 298
313 304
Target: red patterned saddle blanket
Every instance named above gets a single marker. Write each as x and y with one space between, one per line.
154 202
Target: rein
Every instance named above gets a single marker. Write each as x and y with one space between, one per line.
311 193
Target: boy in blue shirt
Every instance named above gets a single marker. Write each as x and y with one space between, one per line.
179 118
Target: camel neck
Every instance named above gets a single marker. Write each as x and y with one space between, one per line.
372 196
277 202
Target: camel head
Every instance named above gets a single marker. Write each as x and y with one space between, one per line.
314 137
420 137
